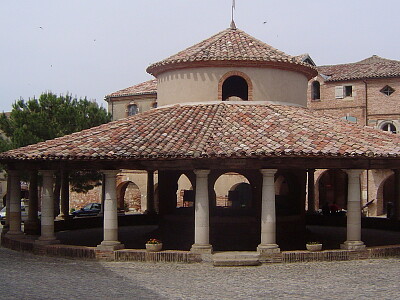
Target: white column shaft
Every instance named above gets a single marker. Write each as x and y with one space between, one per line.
110 207
47 217
14 210
268 214
353 241
354 206
202 214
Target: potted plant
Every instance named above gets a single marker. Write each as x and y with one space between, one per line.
314 246
153 245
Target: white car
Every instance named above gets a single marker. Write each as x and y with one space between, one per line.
24 214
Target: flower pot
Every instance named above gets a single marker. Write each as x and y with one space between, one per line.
314 247
153 247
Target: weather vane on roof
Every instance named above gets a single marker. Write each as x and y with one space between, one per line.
233 25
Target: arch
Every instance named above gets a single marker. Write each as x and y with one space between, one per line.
385 194
332 190
240 195
133 109
129 196
242 75
388 126
316 90
229 191
185 192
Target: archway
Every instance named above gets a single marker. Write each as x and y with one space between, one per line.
230 193
185 192
240 195
332 188
385 196
316 90
235 86
129 197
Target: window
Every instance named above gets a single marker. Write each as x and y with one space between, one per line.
235 86
343 91
350 119
387 90
316 91
348 91
132 109
389 127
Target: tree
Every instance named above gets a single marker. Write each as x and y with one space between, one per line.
48 117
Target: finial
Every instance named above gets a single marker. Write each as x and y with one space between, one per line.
233 25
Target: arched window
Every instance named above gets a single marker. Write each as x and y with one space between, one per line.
235 86
316 91
132 109
388 126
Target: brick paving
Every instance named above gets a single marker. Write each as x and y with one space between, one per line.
26 276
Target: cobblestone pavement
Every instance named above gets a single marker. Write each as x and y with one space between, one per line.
26 276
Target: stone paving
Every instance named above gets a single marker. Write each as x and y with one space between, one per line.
26 276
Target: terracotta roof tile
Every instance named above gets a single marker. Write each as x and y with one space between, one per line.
230 45
144 88
217 130
372 67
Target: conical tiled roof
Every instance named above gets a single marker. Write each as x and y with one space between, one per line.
217 130
231 45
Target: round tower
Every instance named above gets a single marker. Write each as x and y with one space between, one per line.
231 65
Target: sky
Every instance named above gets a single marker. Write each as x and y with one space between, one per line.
91 48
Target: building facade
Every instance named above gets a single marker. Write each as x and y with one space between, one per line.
368 93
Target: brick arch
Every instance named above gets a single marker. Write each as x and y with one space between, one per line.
235 73
381 202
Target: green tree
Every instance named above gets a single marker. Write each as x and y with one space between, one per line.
48 117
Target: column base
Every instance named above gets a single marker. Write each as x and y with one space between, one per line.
47 241
32 227
18 234
265 249
352 245
63 217
201 249
110 246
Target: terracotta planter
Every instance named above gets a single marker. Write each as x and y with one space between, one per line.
153 247
314 247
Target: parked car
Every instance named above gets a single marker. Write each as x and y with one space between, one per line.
24 214
91 209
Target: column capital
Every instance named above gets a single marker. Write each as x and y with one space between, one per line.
201 173
268 172
353 172
110 172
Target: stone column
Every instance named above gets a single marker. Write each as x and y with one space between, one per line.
201 214
268 215
310 191
6 226
353 241
150 192
397 194
64 203
32 225
14 210
47 218
110 240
